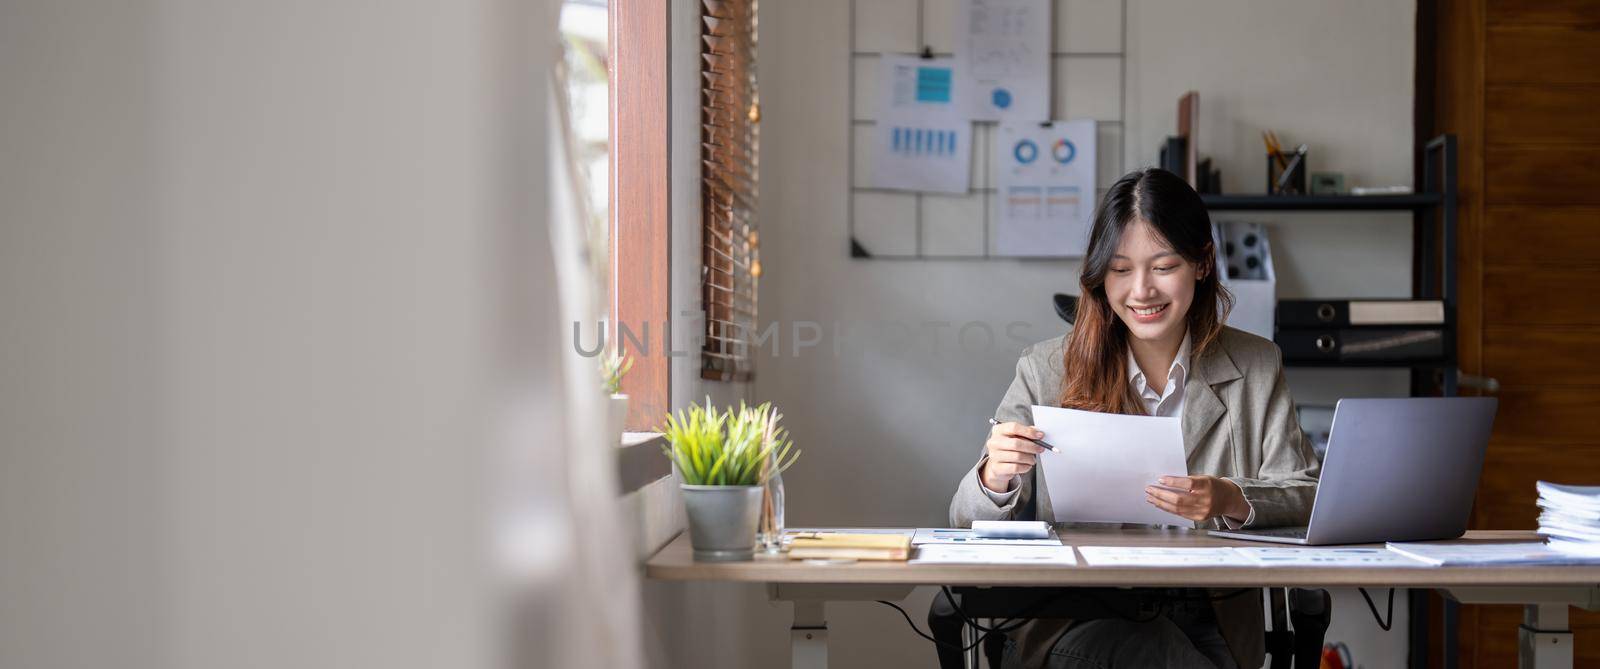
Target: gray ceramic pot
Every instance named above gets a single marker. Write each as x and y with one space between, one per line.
722 521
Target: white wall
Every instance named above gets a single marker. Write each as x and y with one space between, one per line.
1340 81
886 433
265 277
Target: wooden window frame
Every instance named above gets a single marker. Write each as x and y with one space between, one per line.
638 192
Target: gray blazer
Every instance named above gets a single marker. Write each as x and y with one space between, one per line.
1238 423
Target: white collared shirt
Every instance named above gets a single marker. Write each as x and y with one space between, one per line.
1169 402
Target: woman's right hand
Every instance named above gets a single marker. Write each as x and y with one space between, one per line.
1011 453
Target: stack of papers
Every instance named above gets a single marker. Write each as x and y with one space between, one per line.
1570 521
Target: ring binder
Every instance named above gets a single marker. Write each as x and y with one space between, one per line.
1361 344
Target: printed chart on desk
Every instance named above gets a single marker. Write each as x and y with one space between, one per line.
987 132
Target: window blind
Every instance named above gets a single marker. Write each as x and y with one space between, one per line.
730 114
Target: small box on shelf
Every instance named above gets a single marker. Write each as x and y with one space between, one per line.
1244 260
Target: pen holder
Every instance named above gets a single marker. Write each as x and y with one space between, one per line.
1289 178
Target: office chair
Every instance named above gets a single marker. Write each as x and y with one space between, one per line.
1066 306
1310 610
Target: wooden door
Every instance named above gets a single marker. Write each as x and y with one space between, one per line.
1518 83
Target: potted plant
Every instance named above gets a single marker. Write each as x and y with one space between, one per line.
613 366
725 459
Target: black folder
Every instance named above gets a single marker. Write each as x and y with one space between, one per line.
1173 155
1361 344
1352 313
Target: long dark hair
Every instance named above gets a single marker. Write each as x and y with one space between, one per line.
1096 358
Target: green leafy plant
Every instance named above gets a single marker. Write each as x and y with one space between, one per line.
613 366
728 448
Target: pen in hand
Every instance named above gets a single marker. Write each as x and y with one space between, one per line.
1040 442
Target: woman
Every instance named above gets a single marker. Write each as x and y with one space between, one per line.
1149 339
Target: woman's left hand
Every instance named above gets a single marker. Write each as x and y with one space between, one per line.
1203 498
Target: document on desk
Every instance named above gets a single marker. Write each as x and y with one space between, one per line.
1462 553
1328 557
991 554
1152 556
1106 460
959 536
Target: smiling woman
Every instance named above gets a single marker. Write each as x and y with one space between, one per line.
1148 339
1150 249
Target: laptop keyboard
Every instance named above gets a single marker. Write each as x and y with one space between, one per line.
1286 532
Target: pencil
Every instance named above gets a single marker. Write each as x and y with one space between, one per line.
1274 149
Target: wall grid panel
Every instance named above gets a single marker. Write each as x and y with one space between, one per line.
879 31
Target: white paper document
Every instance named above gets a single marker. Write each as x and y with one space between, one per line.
1582 548
1045 188
990 554
1328 557
921 140
1106 460
1569 513
1003 51
1149 556
1568 527
957 536
1451 554
903 531
1584 495
1012 529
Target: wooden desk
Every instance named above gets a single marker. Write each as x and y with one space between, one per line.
1546 592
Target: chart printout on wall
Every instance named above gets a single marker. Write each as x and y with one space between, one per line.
1002 49
1044 188
921 141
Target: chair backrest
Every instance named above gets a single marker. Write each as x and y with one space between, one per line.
1066 306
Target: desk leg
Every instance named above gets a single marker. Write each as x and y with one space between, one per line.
1544 639
808 636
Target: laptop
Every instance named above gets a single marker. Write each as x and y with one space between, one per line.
1400 469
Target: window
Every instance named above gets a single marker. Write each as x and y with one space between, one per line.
586 80
623 46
